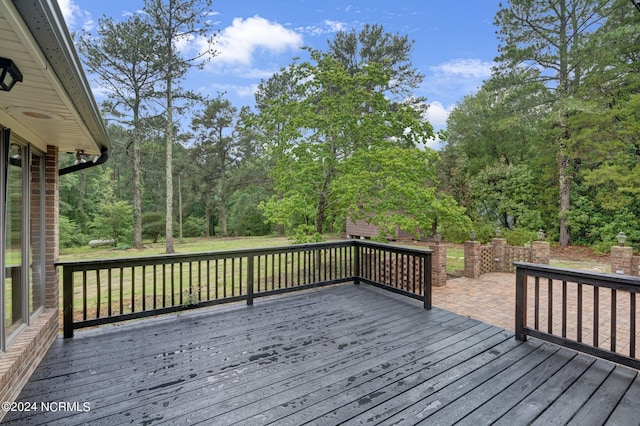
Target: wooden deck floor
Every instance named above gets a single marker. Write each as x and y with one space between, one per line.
343 354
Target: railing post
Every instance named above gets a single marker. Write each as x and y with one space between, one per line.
356 263
521 303
427 281
67 301
250 266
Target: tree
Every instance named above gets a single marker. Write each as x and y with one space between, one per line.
393 186
505 193
114 221
215 154
607 135
497 124
123 56
372 45
494 135
177 21
96 187
323 124
549 37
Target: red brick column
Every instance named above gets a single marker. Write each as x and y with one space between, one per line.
621 260
438 266
540 252
499 254
51 228
472 261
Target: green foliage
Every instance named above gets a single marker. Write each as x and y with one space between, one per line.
114 221
336 132
245 218
520 236
305 234
330 112
506 194
553 39
484 232
68 233
393 186
193 226
153 225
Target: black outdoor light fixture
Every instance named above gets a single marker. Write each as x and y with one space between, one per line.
9 74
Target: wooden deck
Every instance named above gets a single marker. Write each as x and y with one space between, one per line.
343 354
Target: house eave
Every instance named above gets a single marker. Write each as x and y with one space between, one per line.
43 19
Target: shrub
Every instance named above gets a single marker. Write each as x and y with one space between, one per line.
193 227
306 234
69 235
519 236
153 225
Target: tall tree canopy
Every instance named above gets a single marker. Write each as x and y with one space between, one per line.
550 38
176 21
373 45
336 116
123 56
215 154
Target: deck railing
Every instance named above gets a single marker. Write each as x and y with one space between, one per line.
591 312
105 291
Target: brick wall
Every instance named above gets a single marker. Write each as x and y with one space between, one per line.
438 265
499 257
622 260
25 353
472 259
51 228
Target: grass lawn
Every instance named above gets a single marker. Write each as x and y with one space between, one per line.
190 245
455 260
131 289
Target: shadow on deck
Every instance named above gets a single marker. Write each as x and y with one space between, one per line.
344 353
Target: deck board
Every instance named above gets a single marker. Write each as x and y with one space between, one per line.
343 354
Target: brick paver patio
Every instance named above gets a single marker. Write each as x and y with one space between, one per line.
491 299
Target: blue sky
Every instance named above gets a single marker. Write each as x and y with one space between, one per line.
454 41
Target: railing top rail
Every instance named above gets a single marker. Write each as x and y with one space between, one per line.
392 247
599 279
160 259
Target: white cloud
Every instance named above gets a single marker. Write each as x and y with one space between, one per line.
466 68
72 14
69 9
435 143
238 43
327 27
437 114
241 91
449 82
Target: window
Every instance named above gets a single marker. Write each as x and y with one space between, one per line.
13 259
37 235
21 237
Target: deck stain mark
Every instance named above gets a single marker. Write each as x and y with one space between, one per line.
367 399
262 355
162 385
151 421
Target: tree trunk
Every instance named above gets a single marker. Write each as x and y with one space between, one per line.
320 218
207 223
565 197
169 171
563 157
137 187
223 218
180 207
